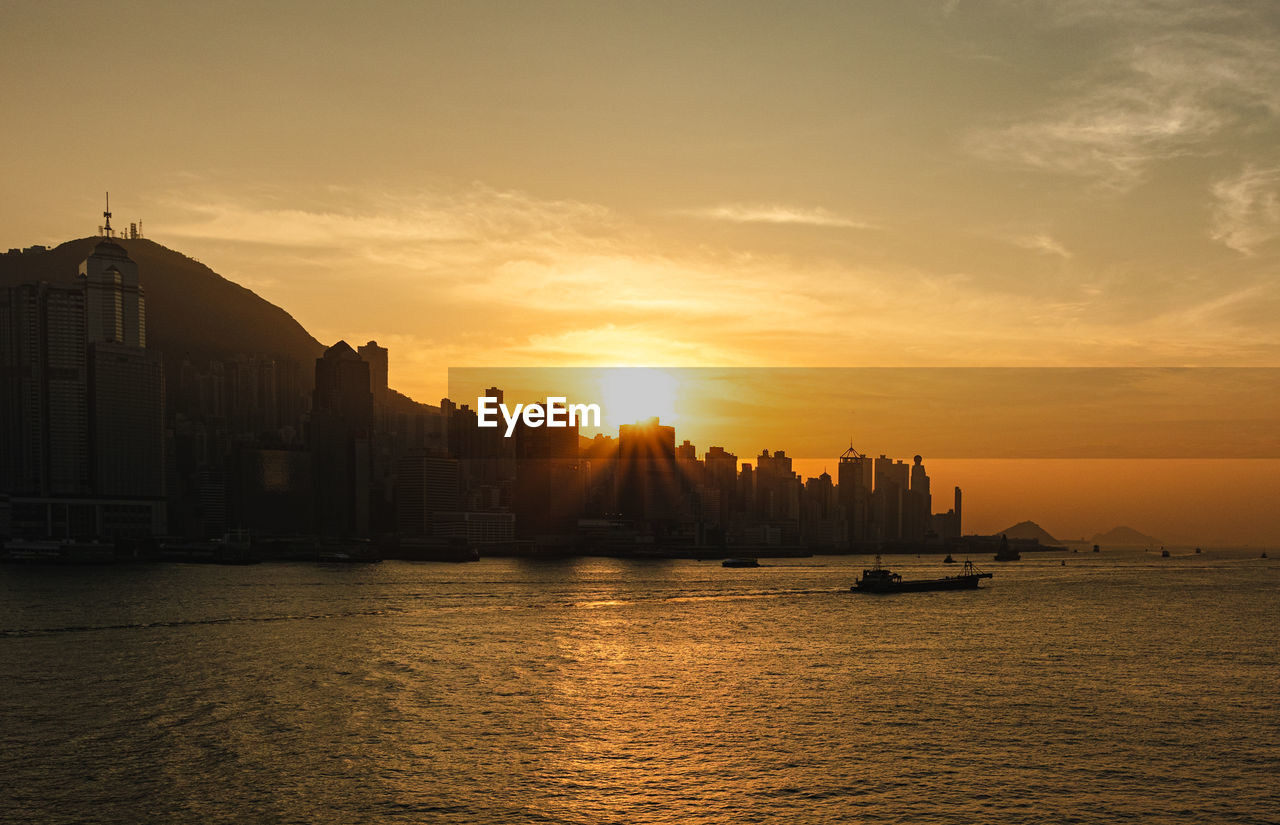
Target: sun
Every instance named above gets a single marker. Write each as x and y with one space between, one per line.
631 394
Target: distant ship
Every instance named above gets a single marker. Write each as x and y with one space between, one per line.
1007 553
739 563
881 580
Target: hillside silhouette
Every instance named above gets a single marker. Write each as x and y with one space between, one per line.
1028 530
1125 537
192 311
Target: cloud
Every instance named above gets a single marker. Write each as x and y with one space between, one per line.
1246 211
484 276
748 213
339 218
1168 85
1040 242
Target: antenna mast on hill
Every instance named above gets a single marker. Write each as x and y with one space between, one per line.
106 229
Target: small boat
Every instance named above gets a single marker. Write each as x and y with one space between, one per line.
1164 554
948 560
1095 549
1197 551
880 580
739 563
1264 554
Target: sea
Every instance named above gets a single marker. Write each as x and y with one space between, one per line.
1117 687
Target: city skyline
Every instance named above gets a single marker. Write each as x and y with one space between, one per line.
745 185
1119 485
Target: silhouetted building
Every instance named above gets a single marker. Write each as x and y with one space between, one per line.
376 357
127 414
427 485
855 481
114 303
270 492
822 522
550 490
341 421
891 485
83 443
475 528
44 409
918 504
649 483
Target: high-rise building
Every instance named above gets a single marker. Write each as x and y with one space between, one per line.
343 386
126 397
427 485
341 420
649 483
115 307
44 411
919 503
127 414
892 481
854 480
82 418
376 357
549 494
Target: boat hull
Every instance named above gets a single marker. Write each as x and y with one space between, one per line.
922 585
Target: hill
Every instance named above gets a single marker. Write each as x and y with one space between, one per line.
191 310
1124 536
1028 530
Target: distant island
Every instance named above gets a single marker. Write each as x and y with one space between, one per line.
1125 537
1028 530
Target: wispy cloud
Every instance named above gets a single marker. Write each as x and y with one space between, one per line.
486 276
1168 85
778 214
1246 210
1040 242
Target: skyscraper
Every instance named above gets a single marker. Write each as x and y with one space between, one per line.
649 483
127 413
376 357
44 412
341 419
854 479
917 511
82 413
126 382
115 307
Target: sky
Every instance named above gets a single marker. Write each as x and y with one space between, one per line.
800 184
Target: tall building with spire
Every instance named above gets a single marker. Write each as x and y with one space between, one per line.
82 405
115 306
126 381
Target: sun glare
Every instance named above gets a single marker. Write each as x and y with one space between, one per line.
632 394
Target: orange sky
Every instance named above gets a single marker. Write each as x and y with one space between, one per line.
740 184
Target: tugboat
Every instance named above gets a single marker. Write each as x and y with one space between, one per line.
880 580
739 563
948 560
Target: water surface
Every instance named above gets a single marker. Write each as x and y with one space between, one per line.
1119 687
